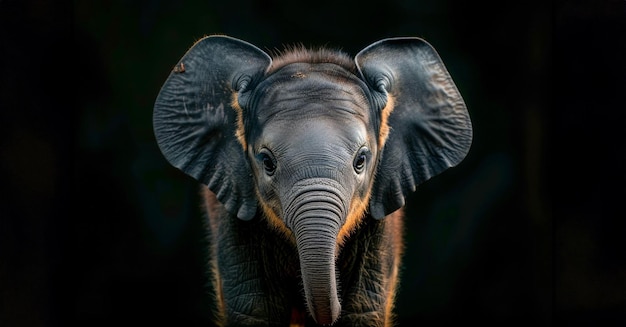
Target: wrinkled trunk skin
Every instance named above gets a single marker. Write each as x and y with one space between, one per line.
315 221
317 264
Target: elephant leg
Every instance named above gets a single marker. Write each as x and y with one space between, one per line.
250 289
369 265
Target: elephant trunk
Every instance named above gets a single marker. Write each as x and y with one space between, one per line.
317 265
315 222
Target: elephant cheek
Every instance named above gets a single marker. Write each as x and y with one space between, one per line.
358 206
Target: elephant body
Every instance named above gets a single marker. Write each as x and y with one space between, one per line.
307 159
256 270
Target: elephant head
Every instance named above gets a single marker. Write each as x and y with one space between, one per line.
313 141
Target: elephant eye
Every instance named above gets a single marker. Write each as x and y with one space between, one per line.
269 164
360 159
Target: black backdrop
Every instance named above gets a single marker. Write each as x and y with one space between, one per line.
97 229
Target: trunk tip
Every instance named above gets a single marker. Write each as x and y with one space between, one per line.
329 316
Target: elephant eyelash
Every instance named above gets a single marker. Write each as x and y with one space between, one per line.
267 160
360 160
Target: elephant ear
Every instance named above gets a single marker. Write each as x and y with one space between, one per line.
196 117
429 128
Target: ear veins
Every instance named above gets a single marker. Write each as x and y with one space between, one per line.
240 132
384 117
354 218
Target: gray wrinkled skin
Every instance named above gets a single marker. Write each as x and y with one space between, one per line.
307 160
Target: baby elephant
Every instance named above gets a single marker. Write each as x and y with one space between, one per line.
307 159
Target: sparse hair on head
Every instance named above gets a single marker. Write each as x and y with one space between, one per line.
299 53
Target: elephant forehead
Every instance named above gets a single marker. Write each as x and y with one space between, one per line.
306 91
329 136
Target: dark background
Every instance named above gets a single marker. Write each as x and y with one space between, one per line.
97 229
